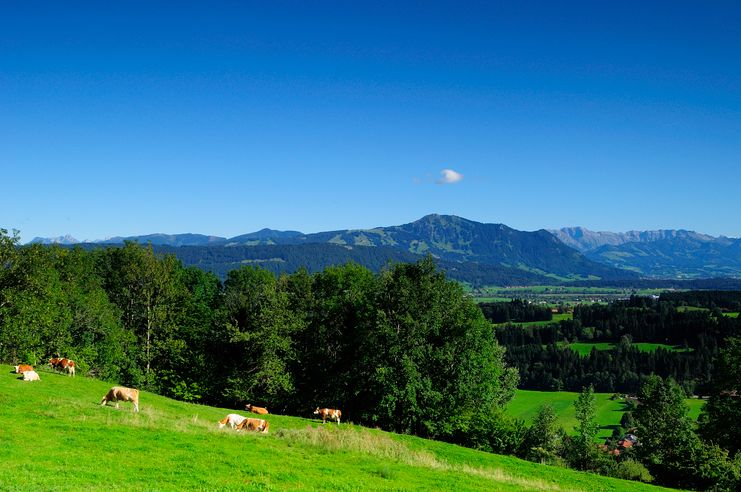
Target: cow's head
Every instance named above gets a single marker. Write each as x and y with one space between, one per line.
316 412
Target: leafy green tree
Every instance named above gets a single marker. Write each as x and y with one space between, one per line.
432 355
721 422
143 286
583 451
337 306
257 330
544 439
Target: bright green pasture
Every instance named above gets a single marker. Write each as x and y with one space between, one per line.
585 348
556 318
55 436
733 314
684 309
526 403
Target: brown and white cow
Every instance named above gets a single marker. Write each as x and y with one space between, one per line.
68 366
64 365
120 393
257 410
258 425
20 368
232 420
332 413
31 376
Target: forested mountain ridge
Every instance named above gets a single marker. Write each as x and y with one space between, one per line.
483 254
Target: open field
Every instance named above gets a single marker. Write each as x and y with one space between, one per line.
556 319
561 294
55 435
731 314
525 406
585 348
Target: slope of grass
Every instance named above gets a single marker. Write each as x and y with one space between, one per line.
54 435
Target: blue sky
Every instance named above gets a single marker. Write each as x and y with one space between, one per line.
226 117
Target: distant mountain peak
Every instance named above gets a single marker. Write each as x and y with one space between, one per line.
66 239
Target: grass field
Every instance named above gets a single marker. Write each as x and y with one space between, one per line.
585 348
556 319
732 314
525 406
54 436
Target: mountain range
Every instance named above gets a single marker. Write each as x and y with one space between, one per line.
471 251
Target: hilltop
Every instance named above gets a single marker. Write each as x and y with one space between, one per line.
56 434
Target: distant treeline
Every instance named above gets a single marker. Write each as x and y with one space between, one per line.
545 362
727 300
517 310
315 257
721 283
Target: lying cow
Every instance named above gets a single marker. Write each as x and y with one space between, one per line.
21 368
119 393
328 412
257 410
31 376
258 425
232 420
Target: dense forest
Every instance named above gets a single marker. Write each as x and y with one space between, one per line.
404 349
689 340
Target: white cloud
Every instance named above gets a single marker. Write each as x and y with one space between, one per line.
448 176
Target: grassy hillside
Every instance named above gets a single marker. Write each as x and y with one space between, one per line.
54 435
525 406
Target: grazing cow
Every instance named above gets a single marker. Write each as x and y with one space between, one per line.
21 368
328 412
68 366
232 420
54 363
31 376
119 393
258 425
257 410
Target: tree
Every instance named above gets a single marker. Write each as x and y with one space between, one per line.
256 331
544 439
584 450
432 356
721 419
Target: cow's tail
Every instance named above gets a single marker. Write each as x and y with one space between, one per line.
265 427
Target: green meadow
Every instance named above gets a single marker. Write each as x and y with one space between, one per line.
556 318
525 406
585 348
54 435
